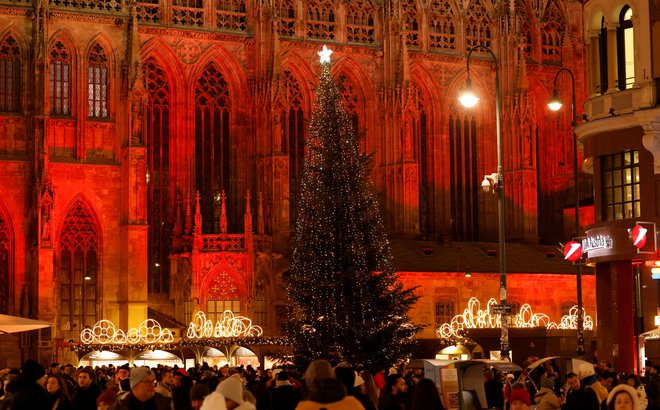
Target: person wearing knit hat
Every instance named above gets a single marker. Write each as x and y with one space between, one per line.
106 399
519 399
545 398
197 394
325 391
143 393
228 395
232 389
25 391
284 394
623 397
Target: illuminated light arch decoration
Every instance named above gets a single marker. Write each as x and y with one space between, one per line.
476 318
228 326
105 332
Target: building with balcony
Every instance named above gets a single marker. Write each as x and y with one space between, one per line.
622 150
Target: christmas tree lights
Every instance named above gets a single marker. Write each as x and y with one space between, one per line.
347 302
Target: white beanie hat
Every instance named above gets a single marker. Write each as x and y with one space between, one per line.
214 401
232 388
625 388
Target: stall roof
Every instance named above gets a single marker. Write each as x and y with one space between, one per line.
497 364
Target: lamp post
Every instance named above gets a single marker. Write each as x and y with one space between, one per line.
555 104
469 99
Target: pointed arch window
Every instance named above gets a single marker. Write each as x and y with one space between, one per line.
526 34
625 44
422 153
360 22
411 18
10 76
285 13
222 295
321 19
213 153
60 80
293 124
552 30
158 189
463 175
97 83
5 266
478 26
442 25
78 269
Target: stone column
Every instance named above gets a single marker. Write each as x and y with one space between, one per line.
593 58
612 56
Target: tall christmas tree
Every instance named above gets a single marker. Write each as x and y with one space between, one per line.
347 302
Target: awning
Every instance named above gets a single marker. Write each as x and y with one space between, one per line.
655 333
15 324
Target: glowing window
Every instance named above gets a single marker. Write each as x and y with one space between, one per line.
97 83
620 186
10 76
60 80
625 50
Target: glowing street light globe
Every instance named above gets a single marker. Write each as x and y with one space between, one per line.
468 98
555 103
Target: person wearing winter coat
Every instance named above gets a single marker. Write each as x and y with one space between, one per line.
545 398
143 393
27 390
325 391
633 381
230 395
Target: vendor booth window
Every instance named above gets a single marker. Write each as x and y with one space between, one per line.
620 186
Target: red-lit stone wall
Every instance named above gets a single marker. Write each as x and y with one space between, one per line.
399 84
545 293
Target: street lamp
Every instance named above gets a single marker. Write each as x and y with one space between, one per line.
469 99
555 104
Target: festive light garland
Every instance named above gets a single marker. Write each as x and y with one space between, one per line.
228 326
105 332
476 318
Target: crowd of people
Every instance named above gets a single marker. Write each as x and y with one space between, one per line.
589 387
320 387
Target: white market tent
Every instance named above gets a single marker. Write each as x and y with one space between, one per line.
15 324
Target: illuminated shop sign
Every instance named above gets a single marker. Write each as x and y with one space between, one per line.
620 240
592 243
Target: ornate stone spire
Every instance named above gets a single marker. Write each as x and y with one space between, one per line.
188 227
223 212
260 214
198 214
247 218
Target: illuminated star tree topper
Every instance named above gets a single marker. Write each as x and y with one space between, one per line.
325 55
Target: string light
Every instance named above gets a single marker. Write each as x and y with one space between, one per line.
105 332
476 318
228 326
